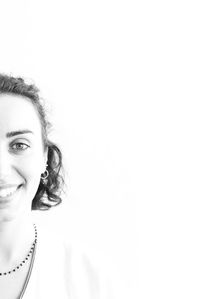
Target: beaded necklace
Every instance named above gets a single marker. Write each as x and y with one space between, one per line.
31 251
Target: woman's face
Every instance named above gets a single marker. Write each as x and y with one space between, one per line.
22 156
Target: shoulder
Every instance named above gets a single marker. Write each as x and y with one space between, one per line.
86 269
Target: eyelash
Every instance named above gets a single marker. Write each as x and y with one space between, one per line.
21 144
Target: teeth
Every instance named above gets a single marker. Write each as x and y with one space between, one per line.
7 192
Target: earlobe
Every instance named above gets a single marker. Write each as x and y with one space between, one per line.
45 175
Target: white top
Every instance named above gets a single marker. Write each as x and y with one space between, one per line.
65 270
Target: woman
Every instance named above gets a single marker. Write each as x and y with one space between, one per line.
34 263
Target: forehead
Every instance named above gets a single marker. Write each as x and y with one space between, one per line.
18 113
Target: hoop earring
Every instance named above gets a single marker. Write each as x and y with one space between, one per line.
45 175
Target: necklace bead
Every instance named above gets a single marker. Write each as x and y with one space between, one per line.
26 258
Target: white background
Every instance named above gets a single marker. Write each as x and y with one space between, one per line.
122 79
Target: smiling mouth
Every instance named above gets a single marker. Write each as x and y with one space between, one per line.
7 192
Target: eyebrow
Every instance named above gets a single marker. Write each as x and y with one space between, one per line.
20 132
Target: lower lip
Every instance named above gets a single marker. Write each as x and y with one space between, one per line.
8 199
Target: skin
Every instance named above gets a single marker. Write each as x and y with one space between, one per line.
22 161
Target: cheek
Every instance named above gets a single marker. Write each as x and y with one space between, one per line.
31 178
30 169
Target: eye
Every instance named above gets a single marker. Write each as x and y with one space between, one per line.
20 146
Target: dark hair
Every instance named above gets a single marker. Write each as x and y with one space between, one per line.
48 193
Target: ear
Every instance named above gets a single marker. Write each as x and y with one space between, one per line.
45 159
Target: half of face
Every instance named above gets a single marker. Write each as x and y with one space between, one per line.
22 155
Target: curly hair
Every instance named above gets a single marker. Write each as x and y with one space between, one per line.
48 193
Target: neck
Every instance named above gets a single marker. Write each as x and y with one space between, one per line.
16 238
